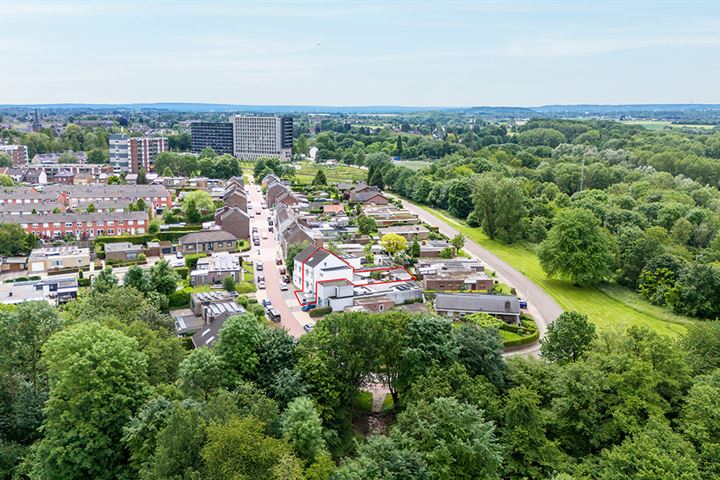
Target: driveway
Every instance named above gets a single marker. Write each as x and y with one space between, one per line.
540 305
292 319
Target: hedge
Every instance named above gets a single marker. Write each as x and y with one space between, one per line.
140 239
184 228
183 272
192 259
522 341
125 263
320 311
180 298
83 282
63 271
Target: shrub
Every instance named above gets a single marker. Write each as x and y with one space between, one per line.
182 272
83 282
180 298
192 259
320 311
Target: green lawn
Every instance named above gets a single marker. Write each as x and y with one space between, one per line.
661 124
606 306
412 164
340 173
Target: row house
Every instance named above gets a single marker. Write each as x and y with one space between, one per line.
81 225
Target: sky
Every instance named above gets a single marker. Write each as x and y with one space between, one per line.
360 52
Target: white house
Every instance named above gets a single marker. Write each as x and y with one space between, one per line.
314 265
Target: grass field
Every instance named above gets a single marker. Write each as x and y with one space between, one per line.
606 306
412 164
340 173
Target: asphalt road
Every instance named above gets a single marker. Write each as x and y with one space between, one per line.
540 305
291 317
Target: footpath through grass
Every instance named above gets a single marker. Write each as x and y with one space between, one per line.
606 306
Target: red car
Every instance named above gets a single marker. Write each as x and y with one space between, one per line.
281 270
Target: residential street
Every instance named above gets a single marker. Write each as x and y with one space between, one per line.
540 305
292 318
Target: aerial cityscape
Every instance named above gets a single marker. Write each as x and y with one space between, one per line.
315 240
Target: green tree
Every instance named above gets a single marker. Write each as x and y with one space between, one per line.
179 445
528 453
292 251
414 250
239 448
239 341
98 156
105 281
97 381
393 243
577 248
137 279
319 178
697 291
229 283
192 214
5 160
568 338
700 422
167 172
141 432
154 226
67 157
202 199
302 428
428 341
203 371
14 240
384 458
142 177
500 207
366 225
163 279
480 351
453 438
656 452
91 208
6 181
702 344
301 145
458 241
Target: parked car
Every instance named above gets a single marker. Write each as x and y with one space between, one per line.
286 279
259 266
261 278
308 307
266 302
257 211
308 327
251 214
523 303
178 255
273 314
261 285
283 286
281 270
270 229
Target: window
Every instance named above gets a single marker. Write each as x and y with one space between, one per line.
381 307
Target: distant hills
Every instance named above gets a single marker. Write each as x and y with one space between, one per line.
581 110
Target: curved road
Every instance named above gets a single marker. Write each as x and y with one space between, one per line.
540 305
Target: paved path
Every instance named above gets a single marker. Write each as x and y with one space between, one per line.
540 305
291 317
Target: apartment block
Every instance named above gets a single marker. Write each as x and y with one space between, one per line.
257 137
130 154
216 135
143 151
18 154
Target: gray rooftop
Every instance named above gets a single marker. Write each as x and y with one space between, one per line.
473 302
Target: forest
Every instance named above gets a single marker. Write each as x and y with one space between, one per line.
103 388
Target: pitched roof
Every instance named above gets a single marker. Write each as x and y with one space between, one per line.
311 256
74 217
337 208
472 302
206 236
